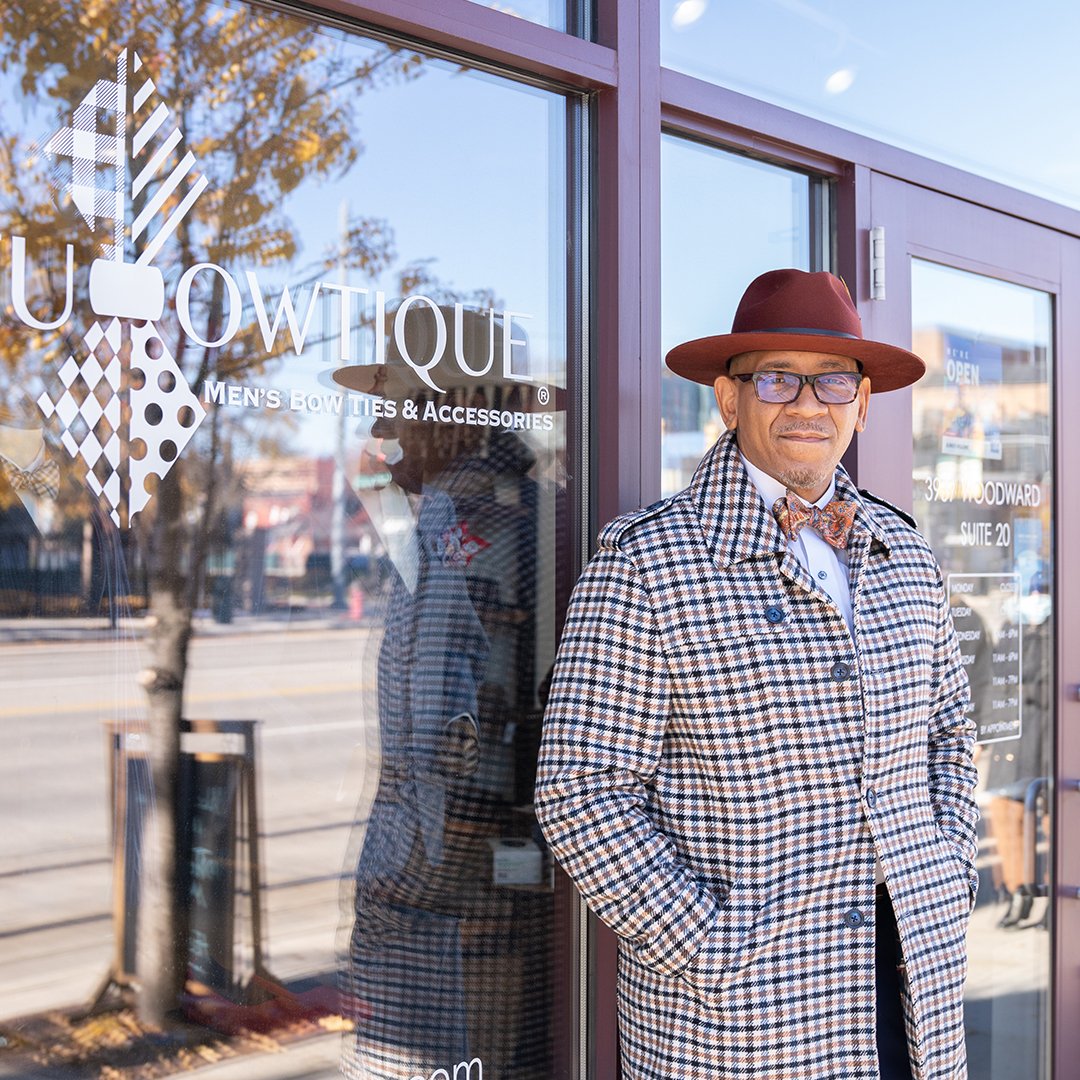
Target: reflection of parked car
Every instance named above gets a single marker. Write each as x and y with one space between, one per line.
318 578
319 575
317 564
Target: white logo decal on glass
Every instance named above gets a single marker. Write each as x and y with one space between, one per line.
94 164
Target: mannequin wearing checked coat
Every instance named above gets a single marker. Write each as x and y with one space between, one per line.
722 762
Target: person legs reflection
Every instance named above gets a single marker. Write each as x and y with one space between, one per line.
1006 823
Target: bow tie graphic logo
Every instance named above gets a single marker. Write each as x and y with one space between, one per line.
122 135
833 521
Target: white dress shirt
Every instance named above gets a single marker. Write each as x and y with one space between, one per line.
828 566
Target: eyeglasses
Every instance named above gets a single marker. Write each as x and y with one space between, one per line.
784 387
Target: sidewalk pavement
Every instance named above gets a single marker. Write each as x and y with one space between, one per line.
308 1059
315 1058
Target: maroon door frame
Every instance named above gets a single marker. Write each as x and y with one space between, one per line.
925 224
1067 913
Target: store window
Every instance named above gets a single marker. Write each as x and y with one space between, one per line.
284 377
570 16
925 76
725 219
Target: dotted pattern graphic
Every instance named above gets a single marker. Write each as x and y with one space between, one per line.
164 412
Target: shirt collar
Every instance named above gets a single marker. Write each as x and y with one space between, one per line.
736 522
39 460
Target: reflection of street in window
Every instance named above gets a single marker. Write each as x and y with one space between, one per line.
262 574
984 493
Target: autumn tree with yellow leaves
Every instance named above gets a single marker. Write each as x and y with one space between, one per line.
266 103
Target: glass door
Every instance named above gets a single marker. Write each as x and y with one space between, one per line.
983 495
976 294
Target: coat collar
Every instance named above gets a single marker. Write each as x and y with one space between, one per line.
736 523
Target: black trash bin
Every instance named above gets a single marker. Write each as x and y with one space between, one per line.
221 598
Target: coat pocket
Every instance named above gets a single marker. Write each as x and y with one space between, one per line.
966 873
727 943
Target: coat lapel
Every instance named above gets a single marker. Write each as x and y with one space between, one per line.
736 524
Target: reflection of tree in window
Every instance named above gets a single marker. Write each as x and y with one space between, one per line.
266 104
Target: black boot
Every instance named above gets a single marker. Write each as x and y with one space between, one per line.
1018 911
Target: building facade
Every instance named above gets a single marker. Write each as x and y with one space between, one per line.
331 333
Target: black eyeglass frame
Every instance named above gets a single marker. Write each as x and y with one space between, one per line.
811 380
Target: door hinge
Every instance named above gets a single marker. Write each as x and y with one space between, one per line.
877 262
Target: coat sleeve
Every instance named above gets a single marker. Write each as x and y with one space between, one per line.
602 744
951 740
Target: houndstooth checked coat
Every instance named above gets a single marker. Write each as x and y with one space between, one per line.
721 761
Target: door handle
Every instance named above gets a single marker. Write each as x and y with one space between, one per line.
1071 891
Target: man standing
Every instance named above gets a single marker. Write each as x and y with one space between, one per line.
756 765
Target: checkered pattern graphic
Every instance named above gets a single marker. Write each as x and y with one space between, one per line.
88 407
92 148
721 763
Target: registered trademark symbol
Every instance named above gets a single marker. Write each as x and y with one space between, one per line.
543 395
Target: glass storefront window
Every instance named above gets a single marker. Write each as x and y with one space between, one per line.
724 220
570 16
296 632
984 497
929 77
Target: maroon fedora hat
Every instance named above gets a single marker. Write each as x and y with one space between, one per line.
796 310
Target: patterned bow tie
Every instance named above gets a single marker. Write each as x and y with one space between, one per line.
42 480
833 522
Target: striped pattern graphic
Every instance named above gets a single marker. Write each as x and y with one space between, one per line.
157 173
722 761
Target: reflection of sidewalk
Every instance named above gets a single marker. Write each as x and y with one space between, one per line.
1007 994
98 629
252 1058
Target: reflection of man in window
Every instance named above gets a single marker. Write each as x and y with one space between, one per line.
29 482
47 565
445 965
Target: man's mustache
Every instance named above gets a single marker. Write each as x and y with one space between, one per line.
802 429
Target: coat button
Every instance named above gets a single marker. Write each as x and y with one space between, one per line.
871 798
774 614
841 671
854 918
